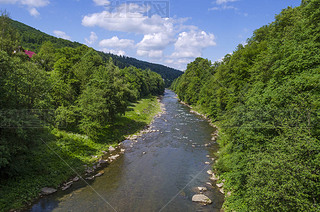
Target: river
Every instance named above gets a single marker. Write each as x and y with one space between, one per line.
157 173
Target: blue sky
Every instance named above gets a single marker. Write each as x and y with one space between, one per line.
169 32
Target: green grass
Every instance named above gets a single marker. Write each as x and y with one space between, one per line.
45 168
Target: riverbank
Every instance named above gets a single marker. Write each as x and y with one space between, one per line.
219 182
61 154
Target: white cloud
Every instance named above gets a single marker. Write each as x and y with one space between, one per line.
179 64
101 2
31 5
114 51
150 53
224 7
92 39
155 41
34 12
128 18
61 34
191 44
158 34
115 42
224 1
152 45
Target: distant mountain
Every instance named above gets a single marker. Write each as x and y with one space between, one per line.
32 39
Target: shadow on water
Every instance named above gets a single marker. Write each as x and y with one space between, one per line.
159 172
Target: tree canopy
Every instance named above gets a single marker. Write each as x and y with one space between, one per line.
264 97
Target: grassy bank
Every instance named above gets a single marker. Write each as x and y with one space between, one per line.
45 168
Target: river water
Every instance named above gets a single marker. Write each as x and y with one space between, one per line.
159 172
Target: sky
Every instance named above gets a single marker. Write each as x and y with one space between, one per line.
168 32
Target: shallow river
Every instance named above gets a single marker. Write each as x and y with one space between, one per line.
157 173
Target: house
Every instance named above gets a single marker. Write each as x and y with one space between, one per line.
29 53
20 49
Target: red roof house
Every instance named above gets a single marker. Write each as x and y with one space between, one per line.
29 53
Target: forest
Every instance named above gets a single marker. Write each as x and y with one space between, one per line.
32 39
67 97
264 99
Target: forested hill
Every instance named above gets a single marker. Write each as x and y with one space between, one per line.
265 99
167 73
32 39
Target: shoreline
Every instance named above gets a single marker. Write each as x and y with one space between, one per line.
214 137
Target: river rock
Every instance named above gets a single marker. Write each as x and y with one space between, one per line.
99 174
113 157
201 198
47 191
90 178
66 186
75 179
209 172
207 162
208 183
213 177
104 152
202 189
134 137
122 150
219 185
111 149
89 170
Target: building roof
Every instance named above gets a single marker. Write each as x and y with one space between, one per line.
29 53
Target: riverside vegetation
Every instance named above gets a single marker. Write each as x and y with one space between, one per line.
66 101
264 97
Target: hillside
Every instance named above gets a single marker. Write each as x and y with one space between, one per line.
32 39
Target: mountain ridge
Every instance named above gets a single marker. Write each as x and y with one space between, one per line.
32 39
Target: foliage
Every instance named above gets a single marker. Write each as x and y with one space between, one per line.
39 42
69 99
265 100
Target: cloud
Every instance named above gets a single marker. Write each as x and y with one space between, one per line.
160 34
128 18
115 42
191 44
101 2
92 39
30 4
223 5
61 34
179 64
34 12
152 45
113 51
224 1
150 53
